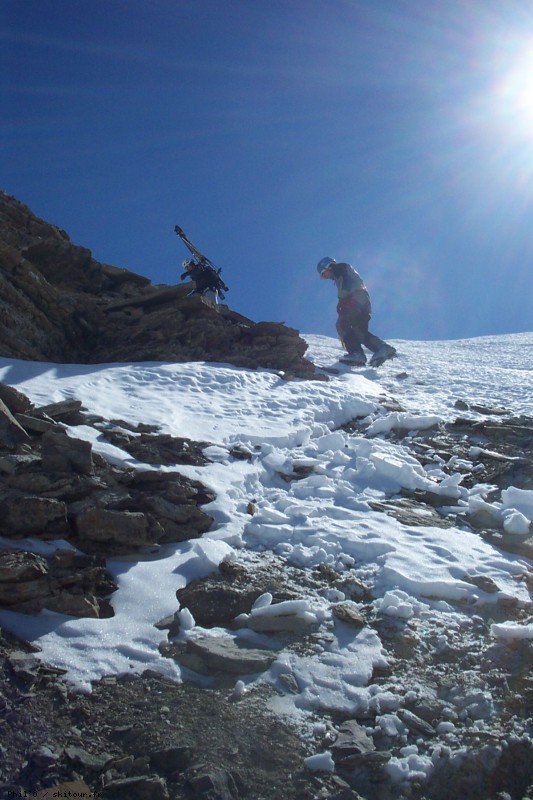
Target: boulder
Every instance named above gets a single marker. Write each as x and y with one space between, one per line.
33 516
64 582
23 578
125 528
139 787
224 654
62 453
352 739
16 401
349 613
216 604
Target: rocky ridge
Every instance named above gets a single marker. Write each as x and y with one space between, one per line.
57 303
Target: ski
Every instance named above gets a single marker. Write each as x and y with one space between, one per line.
204 263
194 250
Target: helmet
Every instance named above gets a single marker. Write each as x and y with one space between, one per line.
324 263
188 263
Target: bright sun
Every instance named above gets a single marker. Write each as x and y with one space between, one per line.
513 92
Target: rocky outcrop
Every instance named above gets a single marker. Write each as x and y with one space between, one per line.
66 582
57 303
53 487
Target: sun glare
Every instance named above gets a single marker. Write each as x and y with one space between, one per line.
513 92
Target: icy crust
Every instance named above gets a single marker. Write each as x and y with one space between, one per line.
311 486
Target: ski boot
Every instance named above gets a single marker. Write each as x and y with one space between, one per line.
383 354
354 359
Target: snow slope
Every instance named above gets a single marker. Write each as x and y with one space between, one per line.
323 518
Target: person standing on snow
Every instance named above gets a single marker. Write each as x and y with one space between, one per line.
354 311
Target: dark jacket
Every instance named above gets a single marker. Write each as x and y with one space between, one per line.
204 278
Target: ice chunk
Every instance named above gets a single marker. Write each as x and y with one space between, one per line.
403 421
516 523
519 499
262 601
332 441
279 609
187 621
512 630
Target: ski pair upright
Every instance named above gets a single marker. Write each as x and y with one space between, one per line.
205 263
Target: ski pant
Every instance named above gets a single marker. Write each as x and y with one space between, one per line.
352 327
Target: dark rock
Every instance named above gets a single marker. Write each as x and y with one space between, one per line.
415 723
126 528
35 516
372 761
64 582
14 462
352 740
161 449
520 545
61 410
43 758
23 579
17 565
16 401
218 604
489 410
222 596
170 623
484 582
89 761
36 423
241 453
482 772
24 666
173 485
141 787
61 453
60 304
224 654
11 431
212 784
348 613
171 759
412 512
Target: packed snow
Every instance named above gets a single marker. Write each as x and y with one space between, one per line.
324 518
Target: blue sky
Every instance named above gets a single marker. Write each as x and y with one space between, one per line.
395 134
